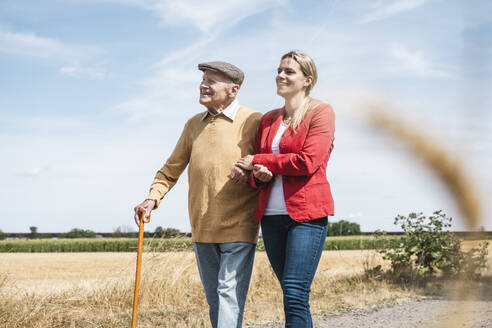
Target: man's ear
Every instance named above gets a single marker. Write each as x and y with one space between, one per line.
234 90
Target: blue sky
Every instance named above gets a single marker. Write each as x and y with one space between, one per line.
94 94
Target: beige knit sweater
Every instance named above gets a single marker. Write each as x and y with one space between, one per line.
220 210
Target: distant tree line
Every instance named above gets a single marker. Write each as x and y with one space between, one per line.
339 228
119 232
78 233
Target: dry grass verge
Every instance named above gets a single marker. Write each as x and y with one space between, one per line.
44 290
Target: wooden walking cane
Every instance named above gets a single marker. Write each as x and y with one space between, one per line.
141 214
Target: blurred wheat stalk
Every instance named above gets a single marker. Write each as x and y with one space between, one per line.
450 171
447 167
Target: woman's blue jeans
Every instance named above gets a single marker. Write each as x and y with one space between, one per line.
294 250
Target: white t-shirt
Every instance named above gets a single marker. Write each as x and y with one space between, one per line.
276 200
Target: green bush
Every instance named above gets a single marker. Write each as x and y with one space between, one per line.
428 250
124 231
117 233
3 235
33 232
78 233
343 228
475 261
166 233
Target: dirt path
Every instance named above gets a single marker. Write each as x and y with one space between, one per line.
433 313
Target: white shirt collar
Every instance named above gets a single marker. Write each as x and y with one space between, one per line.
230 111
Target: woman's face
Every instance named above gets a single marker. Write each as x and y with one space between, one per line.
290 79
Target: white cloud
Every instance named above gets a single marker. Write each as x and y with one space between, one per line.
415 63
78 72
45 124
31 172
32 45
80 173
186 52
168 89
480 146
390 9
355 215
208 16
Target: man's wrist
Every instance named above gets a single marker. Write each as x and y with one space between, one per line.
152 200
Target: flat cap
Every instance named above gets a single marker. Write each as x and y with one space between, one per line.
229 70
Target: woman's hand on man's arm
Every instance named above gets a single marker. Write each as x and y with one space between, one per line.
261 173
238 175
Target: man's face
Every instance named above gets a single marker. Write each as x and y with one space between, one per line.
216 90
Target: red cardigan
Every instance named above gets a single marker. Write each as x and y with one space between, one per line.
302 162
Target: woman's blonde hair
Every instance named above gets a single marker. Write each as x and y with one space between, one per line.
308 68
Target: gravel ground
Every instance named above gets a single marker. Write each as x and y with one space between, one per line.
404 314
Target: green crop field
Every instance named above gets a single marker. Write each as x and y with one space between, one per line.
162 245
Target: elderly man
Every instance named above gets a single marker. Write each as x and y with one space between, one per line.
221 208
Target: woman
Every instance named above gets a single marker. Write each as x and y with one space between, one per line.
291 153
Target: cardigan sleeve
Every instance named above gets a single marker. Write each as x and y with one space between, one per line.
316 148
168 175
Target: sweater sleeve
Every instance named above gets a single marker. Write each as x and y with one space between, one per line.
168 175
317 146
251 180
